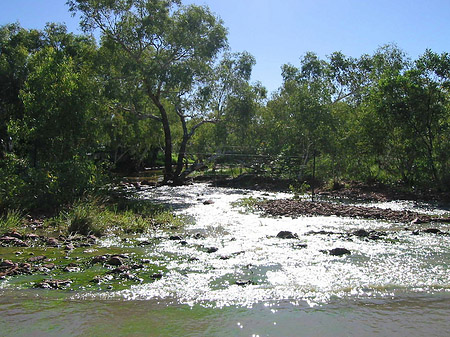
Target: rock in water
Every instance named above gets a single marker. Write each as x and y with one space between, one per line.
286 235
362 233
212 250
115 261
339 251
432 231
243 282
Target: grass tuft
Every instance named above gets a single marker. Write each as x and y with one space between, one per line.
12 220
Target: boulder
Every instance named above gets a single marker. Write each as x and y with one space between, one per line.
339 252
16 235
69 247
5 264
362 233
53 284
120 270
52 242
156 276
287 235
13 241
212 250
432 231
243 282
99 259
37 258
115 261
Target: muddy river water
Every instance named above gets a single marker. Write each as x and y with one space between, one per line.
228 274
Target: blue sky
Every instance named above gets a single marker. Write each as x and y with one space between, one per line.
277 32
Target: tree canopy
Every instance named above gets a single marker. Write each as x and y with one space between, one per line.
162 88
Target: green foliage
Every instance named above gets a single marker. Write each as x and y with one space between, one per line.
299 189
85 218
71 110
53 121
122 216
162 52
12 220
249 204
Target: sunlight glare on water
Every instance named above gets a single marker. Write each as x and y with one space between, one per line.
249 264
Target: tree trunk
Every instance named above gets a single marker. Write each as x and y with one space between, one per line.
177 177
168 173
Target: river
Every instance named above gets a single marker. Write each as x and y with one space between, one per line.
229 275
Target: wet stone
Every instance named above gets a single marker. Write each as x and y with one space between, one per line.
362 233
120 270
208 202
339 252
175 238
244 282
432 231
49 266
52 242
137 266
92 238
53 284
115 261
130 277
13 241
156 276
212 250
99 279
37 258
15 235
287 235
7 264
99 259
70 269
25 267
69 247
416 221
122 256
32 236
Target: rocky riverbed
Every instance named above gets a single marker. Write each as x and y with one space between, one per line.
295 208
252 267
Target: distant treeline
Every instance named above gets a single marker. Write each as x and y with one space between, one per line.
159 88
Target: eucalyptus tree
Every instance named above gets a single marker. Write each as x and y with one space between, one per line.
52 116
170 48
16 46
413 105
231 99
